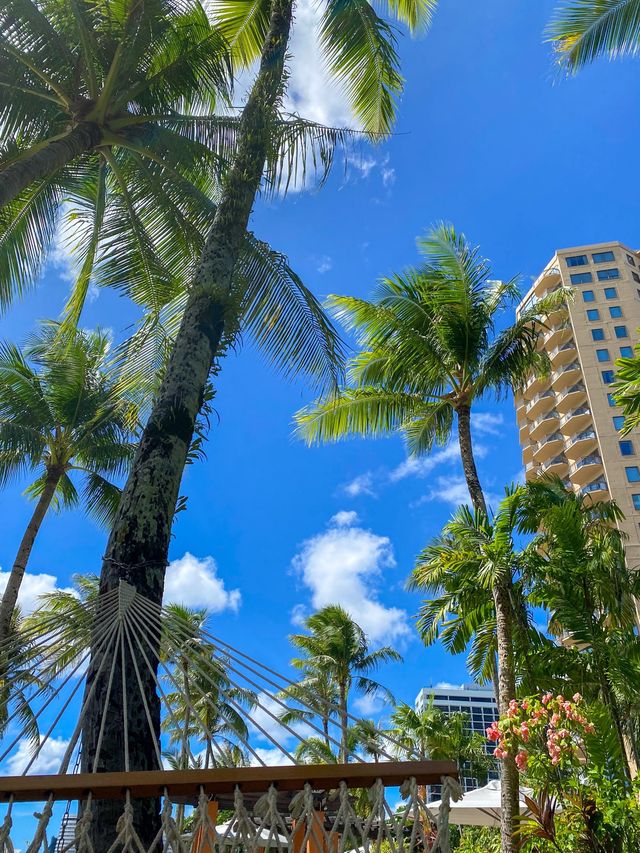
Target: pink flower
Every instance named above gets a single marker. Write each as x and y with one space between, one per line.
498 752
577 697
521 760
493 732
525 705
547 698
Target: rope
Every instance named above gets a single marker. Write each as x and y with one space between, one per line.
40 837
6 844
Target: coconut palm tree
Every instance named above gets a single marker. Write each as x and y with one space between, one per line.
578 572
469 573
430 350
338 646
361 51
583 30
64 422
317 697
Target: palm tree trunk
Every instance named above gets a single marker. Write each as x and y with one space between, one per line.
24 552
506 685
344 723
45 161
509 798
138 546
468 461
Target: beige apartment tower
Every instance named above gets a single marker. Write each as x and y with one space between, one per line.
569 424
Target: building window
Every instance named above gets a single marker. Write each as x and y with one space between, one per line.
615 311
611 272
626 352
577 261
610 293
630 260
636 501
588 296
611 400
603 355
597 334
626 448
635 277
618 421
633 473
581 278
593 314
621 331
601 257
607 377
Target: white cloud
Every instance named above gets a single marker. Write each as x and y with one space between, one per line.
271 757
369 705
447 685
32 587
454 491
420 466
364 165
195 583
344 518
489 423
324 264
360 485
388 176
47 761
311 92
344 565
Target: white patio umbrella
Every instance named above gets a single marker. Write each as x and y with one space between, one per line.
479 807
228 831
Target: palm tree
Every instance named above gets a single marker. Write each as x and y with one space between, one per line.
430 351
583 30
62 420
360 50
471 569
317 697
338 646
578 572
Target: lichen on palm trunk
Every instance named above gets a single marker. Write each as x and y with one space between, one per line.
138 546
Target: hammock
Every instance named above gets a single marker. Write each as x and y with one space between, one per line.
140 655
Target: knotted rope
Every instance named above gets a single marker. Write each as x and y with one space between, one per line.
40 837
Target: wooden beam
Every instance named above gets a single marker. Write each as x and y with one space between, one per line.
153 783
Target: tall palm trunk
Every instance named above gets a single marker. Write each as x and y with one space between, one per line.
506 683
18 569
344 723
17 176
138 546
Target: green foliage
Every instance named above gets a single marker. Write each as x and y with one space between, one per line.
62 414
584 30
430 345
477 839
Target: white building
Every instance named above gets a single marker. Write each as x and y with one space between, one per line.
478 703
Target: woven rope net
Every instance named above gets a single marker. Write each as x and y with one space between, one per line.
205 786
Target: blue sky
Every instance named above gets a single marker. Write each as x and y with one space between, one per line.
490 138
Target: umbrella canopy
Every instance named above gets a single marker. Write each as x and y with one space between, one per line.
480 807
228 832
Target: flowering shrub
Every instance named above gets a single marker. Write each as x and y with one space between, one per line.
542 734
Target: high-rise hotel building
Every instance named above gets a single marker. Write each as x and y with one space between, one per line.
568 421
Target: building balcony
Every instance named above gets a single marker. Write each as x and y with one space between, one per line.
531 471
576 420
536 384
563 354
542 402
581 444
548 281
557 334
559 466
597 491
566 376
548 447
528 449
585 470
543 425
571 398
